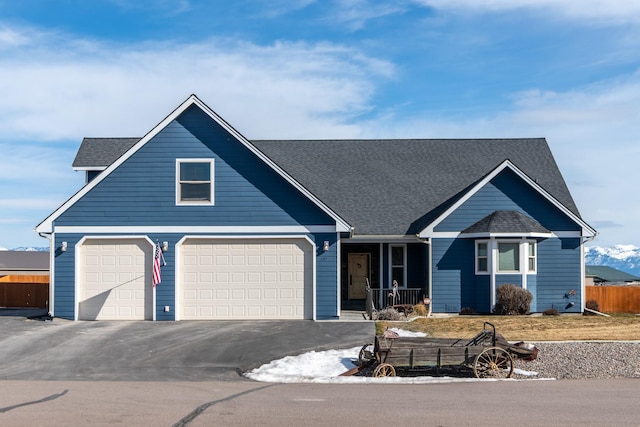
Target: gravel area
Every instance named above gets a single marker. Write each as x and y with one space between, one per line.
575 360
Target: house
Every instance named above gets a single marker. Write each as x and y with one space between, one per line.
604 275
296 229
22 263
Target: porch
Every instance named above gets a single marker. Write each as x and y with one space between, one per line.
382 298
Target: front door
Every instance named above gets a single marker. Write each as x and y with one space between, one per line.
358 275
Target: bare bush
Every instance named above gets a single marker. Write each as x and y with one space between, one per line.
388 313
512 300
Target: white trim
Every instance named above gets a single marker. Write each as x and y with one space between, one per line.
177 229
456 234
211 201
338 276
505 235
77 277
178 262
429 231
46 226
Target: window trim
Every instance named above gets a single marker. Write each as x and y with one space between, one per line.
493 256
518 268
486 257
211 182
404 263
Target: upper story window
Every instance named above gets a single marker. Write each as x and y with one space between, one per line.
194 181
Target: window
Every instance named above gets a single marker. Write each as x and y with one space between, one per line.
508 257
398 264
482 257
531 258
194 184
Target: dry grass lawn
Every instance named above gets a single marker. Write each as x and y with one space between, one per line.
527 328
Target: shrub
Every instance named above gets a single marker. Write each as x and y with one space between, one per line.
388 313
512 300
591 305
420 310
551 312
467 311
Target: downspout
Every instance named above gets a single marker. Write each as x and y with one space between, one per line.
51 272
583 285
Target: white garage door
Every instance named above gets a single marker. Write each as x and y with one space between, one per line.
115 280
246 279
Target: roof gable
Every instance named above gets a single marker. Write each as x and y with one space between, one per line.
507 164
46 226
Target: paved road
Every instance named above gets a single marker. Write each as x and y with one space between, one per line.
244 403
160 351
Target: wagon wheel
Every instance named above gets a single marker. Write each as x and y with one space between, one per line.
384 370
493 362
366 356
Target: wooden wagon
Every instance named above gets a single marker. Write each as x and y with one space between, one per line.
488 353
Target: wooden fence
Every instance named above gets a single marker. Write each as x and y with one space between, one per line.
29 291
615 299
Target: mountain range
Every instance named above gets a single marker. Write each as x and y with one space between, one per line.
621 257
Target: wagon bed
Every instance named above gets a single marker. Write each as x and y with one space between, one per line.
488 353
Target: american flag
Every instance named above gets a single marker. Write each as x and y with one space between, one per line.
158 261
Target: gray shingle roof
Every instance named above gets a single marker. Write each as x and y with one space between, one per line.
98 153
24 260
506 222
397 187
386 186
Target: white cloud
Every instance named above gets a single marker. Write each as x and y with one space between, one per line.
94 89
596 11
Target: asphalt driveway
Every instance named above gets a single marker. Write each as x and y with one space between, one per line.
159 351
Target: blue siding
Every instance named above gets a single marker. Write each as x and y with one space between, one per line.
64 276
507 192
532 284
455 284
559 273
326 276
142 190
453 274
482 303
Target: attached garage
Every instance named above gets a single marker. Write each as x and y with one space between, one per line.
260 278
114 279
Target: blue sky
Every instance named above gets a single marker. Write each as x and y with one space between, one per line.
567 70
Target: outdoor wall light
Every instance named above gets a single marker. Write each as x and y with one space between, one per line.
325 246
63 247
165 246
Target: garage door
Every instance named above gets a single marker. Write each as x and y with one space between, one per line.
246 279
115 280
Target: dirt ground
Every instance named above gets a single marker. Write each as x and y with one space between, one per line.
527 328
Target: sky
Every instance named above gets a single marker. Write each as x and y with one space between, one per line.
566 70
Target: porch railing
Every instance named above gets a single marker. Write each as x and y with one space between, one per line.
382 298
